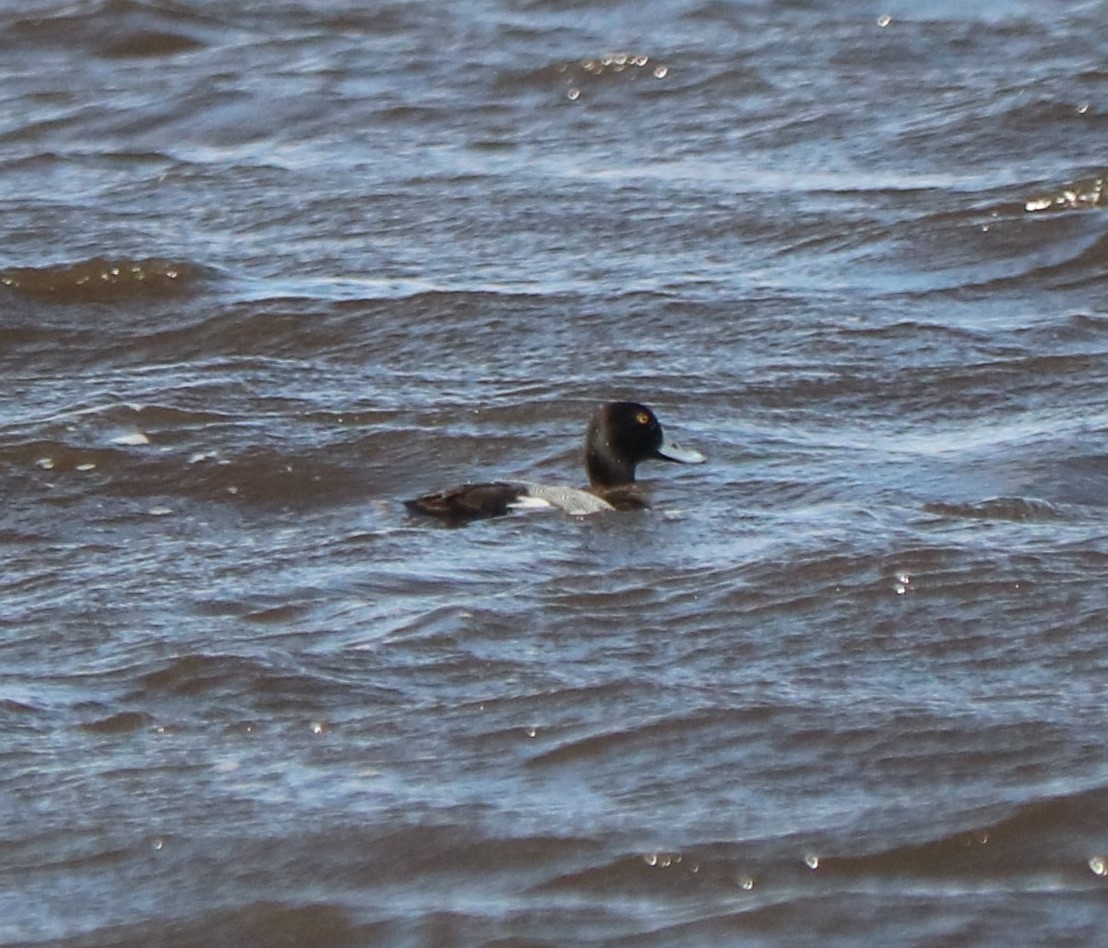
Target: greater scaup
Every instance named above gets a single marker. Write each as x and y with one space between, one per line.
619 436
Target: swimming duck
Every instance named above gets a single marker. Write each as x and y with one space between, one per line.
619 436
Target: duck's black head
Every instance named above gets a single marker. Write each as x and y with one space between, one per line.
620 435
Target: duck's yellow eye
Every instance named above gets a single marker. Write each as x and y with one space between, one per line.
642 418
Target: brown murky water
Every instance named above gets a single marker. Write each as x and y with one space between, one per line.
269 271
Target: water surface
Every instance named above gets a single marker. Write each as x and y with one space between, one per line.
269 271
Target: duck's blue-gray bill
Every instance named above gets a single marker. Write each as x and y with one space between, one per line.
674 452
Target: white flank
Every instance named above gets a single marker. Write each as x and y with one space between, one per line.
527 502
570 499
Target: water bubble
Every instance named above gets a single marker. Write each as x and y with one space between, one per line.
660 72
1099 865
884 20
746 882
811 861
573 94
47 464
651 859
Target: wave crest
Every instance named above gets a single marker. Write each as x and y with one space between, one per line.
1085 192
101 278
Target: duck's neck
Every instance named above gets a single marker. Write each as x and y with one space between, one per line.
607 471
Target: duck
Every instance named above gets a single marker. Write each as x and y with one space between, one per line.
619 436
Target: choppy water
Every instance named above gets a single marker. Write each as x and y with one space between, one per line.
269 269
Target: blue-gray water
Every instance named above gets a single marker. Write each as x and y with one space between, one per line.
270 268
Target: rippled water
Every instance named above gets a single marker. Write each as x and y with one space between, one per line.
270 270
